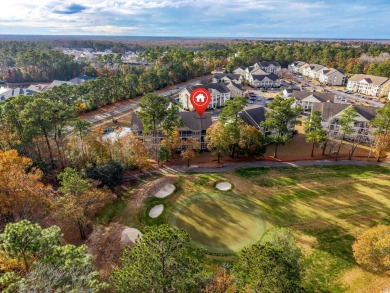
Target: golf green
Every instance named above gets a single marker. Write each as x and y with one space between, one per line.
220 222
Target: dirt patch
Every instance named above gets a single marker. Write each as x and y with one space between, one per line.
359 280
104 244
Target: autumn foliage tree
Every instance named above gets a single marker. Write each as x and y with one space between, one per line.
78 211
190 150
217 139
22 194
372 250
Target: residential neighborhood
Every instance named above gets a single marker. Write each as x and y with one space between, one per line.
114 164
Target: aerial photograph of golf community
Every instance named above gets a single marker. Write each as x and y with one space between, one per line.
195 146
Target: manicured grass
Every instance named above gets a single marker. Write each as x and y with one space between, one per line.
220 222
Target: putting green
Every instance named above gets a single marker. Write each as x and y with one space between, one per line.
219 222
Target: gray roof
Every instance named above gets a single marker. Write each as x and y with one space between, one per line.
260 77
228 75
268 63
195 122
253 115
220 87
331 71
59 82
322 97
38 87
316 67
81 79
237 85
299 63
329 110
190 120
15 92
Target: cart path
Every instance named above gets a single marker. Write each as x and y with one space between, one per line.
234 166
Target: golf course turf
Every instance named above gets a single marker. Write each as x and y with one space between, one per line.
221 222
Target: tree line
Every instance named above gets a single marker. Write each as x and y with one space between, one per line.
163 260
345 56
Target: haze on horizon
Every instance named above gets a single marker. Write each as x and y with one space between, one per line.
205 18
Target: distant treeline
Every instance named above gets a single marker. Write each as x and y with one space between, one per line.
37 61
346 56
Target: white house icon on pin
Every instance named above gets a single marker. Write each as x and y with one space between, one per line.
200 98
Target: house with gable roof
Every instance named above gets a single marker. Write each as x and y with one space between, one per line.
192 126
313 70
268 66
219 92
297 66
376 86
307 99
332 112
331 76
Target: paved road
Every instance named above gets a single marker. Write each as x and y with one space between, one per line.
353 97
234 166
124 109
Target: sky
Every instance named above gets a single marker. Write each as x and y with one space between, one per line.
368 19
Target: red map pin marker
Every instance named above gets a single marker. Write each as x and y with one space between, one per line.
200 98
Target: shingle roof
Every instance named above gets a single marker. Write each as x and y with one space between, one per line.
329 110
260 77
377 80
59 82
220 87
322 97
38 87
228 75
190 120
331 71
237 85
316 67
253 115
16 92
299 63
194 122
268 63
81 79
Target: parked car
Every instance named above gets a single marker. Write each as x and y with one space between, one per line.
251 102
108 130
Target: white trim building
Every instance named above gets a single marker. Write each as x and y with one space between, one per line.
376 86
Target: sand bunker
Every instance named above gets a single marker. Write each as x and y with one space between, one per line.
129 235
156 211
167 190
224 186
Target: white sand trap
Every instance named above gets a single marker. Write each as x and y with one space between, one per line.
156 211
223 186
167 190
129 235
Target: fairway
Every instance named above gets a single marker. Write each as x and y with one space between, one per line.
221 222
